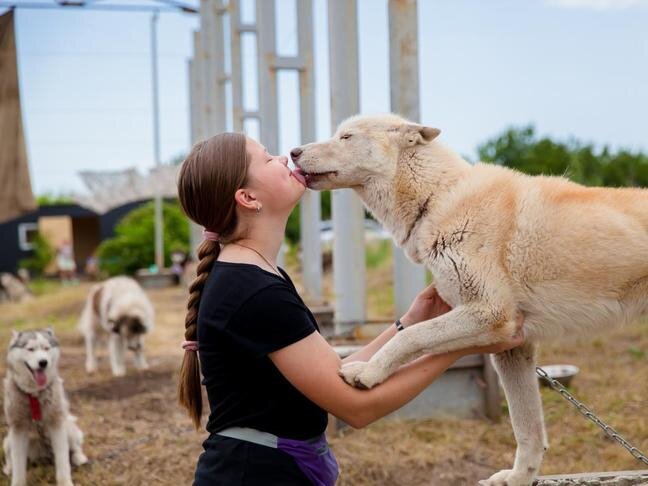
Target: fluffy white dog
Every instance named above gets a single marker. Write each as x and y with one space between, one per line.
120 308
574 259
36 409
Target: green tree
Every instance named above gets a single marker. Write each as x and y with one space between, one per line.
521 149
133 246
42 256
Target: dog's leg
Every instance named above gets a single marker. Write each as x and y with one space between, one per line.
7 456
18 444
516 369
140 359
75 439
91 359
467 325
116 350
61 448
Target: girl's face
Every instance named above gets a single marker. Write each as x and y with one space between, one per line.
272 183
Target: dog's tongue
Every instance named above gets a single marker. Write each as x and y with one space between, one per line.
299 175
41 379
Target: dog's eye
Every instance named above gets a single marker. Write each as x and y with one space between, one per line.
346 136
46 348
31 350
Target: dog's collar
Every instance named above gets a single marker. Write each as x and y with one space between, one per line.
35 407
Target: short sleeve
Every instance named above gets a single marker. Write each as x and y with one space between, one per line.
269 320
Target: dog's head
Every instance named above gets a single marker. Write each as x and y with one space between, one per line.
130 327
363 147
33 358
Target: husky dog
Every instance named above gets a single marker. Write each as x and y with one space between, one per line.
573 259
13 289
36 409
120 308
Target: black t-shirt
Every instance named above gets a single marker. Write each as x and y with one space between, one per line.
246 313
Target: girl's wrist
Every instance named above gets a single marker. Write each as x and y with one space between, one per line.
406 320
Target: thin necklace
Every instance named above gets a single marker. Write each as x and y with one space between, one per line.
264 258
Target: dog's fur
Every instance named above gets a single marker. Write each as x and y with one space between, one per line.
57 433
13 288
573 259
120 308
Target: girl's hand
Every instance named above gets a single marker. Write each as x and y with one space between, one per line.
427 305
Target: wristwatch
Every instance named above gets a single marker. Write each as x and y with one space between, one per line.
399 325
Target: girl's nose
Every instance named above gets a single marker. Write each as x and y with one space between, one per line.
284 160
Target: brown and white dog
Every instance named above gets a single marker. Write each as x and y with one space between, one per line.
574 259
120 308
36 409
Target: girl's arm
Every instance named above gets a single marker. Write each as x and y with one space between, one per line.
311 365
370 349
427 305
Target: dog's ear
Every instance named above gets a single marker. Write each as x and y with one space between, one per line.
413 134
14 337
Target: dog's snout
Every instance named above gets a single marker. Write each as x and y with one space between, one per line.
295 153
42 364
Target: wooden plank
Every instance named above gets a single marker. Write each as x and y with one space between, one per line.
603 478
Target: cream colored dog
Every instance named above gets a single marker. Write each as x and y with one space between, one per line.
573 259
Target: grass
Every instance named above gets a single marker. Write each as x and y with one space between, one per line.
136 434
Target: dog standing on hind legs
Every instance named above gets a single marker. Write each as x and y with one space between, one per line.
37 411
119 308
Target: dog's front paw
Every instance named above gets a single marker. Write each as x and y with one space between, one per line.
119 372
91 367
508 477
64 482
361 374
79 458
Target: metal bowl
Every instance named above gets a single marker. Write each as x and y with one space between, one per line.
562 373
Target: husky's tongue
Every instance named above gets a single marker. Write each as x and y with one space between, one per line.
40 378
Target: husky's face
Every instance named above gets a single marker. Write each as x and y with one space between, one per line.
363 147
130 327
33 358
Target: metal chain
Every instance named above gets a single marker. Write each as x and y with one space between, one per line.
587 413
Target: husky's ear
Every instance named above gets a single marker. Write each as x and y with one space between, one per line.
14 337
49 330
413 134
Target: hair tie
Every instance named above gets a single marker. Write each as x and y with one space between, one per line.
211 235
190 345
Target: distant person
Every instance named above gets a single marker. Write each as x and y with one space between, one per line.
92 267
66 264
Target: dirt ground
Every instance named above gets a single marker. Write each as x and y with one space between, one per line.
136 434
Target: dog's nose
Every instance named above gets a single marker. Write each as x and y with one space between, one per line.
295 153
42 363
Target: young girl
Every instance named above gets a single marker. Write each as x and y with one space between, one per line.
270 376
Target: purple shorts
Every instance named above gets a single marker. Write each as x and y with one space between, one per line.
313 456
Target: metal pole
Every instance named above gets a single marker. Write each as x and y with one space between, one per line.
266 53
235 55
348 213
159 242
196 93
409 278
310 205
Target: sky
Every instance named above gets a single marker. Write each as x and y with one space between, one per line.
572 68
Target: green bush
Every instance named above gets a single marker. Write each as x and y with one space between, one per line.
43 255
133 246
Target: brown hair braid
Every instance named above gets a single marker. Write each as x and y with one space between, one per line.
209 178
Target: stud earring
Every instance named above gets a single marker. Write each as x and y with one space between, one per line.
258 208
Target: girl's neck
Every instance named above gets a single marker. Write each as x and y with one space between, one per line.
266 237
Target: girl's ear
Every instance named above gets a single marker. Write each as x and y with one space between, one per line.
245 199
